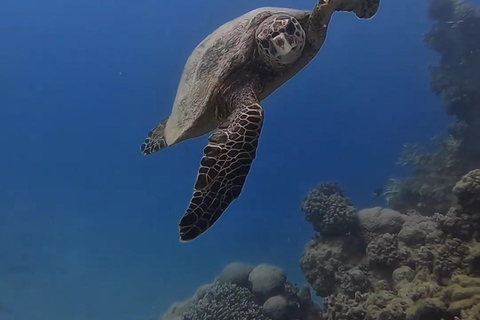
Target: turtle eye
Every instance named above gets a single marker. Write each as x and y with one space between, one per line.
275 34
290 28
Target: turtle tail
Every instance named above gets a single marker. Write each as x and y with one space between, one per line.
155 140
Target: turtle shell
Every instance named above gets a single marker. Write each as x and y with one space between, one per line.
229 47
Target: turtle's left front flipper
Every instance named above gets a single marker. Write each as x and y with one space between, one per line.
224 166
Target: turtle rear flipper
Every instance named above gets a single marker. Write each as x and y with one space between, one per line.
155 140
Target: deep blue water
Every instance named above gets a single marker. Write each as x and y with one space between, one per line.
88 225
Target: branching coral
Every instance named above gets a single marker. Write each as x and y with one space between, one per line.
244 292
329 267
455 223
383 252
450 259
225 302
329 211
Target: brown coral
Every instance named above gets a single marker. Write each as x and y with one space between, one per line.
329 211
467 191
383 252
411 268
437 279
244 292
328 266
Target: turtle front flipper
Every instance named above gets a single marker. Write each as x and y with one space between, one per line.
224 166
322 13
363 9
155 140
366 9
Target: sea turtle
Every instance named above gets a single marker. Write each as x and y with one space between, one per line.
223 83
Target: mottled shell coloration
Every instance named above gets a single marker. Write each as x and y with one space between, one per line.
228 48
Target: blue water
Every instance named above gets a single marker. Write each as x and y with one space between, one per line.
88 225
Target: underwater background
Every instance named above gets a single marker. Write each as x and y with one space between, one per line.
89 226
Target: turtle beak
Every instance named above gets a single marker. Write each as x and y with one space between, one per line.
283 45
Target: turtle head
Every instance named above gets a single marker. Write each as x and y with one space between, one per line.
280 39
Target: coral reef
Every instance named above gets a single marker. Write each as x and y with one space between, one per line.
454 36
244 292
401 266
428 188
330 266
383 265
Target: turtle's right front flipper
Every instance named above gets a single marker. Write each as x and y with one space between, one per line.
225 165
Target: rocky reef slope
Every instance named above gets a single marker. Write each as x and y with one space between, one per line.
376 263
392 265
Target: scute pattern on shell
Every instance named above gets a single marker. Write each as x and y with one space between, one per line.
227 48
222 57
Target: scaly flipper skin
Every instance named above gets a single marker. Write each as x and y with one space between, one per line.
224 167
155 140
367 9
322 13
